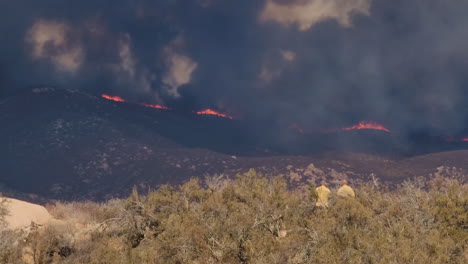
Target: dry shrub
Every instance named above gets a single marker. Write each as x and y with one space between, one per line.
84 212
256 219
11 246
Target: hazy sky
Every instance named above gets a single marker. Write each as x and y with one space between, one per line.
318 63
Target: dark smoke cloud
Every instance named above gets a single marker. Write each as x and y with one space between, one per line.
318 63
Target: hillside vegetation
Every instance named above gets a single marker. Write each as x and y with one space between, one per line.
254 219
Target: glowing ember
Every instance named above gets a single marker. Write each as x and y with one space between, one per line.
297 128
155 106
367 125
213 112
113 98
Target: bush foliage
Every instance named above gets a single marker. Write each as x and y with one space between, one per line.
255 219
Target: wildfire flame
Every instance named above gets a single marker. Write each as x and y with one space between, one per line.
294 126
155 106
367 125
113 98
213 112
120 99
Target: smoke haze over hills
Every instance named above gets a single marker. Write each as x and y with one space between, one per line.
316 63
67 144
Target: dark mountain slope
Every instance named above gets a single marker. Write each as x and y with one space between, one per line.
70 145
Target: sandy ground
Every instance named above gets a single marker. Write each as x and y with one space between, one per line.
21 214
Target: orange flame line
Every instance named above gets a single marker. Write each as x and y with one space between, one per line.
113 98
213 112
367 125
120 99
155 106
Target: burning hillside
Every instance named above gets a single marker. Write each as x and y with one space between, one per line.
120 99
367 125
113 98
213 112
157 106
359 126
362 125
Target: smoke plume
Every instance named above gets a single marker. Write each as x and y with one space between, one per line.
314 63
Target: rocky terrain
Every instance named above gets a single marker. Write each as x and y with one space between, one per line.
21 214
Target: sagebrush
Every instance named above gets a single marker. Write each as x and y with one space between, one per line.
256 219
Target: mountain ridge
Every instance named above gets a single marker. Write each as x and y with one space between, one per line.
65 144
